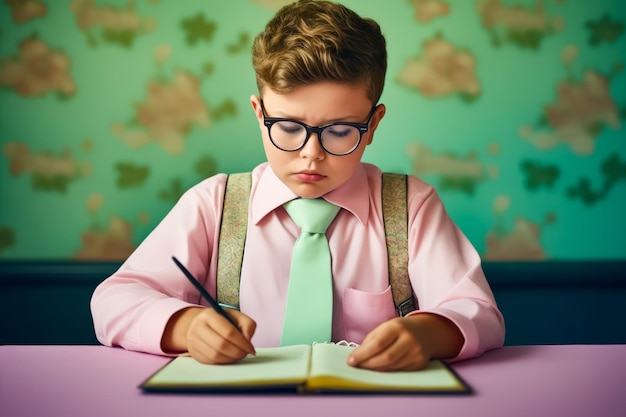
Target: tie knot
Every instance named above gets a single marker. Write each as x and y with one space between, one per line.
312 215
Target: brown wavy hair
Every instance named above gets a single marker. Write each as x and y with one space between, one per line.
313 41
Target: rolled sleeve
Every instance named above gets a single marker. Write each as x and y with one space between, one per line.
132 307
446 274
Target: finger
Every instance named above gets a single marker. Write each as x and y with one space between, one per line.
390 346
231 340
200 342
210 339
373 344
213 349
394 358
410 362
247 327
222 327
207 354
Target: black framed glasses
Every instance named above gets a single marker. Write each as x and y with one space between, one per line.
340 138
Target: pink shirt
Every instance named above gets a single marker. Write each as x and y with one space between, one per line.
132 307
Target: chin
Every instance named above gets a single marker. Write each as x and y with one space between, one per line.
309 191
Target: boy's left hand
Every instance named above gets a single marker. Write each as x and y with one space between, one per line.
407 343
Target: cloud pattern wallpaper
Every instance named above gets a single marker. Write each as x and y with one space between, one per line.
513 109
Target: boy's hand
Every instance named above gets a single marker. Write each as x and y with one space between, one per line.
407 343
212 339
208 336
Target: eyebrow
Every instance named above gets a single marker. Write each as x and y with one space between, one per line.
346 119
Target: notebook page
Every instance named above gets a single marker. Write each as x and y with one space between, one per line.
270 366
329 370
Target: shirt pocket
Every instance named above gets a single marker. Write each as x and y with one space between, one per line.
364 311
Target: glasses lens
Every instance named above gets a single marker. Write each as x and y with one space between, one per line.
340 139
288 135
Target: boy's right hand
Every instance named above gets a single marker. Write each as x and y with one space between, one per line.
208 336
212 339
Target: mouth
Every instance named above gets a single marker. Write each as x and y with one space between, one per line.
309 176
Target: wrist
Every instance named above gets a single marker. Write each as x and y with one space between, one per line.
174 339
443 337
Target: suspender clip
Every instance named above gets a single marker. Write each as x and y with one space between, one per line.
406 306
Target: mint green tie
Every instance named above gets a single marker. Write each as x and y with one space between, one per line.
309 312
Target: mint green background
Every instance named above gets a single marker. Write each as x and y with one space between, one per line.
516 83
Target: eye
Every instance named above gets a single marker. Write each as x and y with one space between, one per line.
340 131
290 128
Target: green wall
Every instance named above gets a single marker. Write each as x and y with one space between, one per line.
515 110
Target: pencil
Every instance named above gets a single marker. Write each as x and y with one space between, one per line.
214 304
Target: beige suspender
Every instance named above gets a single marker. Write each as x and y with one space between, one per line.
395 219
233 235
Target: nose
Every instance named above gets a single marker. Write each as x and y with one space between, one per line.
312 149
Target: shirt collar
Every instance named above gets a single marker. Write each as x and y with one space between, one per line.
271 193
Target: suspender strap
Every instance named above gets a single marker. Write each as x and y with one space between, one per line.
395 219
232 237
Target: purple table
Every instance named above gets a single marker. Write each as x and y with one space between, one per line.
567 380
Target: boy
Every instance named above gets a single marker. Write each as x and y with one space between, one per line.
317 64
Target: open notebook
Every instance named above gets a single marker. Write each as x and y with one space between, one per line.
302 368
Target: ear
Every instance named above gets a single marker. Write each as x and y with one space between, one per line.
379 113
255 101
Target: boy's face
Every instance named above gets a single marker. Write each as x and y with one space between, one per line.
311 172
